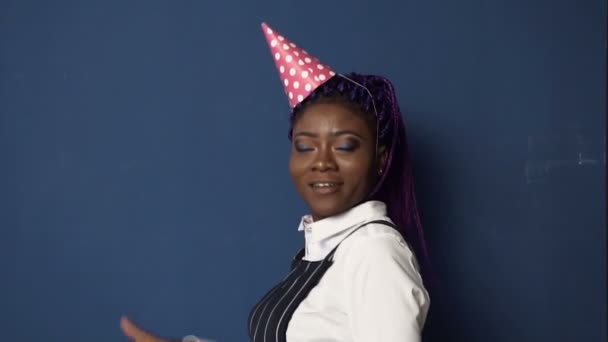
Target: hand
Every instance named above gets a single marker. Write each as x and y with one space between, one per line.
137 334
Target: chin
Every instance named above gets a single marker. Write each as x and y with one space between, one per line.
326 205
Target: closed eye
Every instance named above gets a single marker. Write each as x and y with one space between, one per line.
348 146
303 148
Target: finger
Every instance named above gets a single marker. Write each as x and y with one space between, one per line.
131 330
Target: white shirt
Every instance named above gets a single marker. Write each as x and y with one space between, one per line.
372 292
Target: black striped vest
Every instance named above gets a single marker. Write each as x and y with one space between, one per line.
270 316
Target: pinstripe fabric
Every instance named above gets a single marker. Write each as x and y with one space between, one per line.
269 319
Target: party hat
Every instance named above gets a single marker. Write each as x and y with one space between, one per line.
300 72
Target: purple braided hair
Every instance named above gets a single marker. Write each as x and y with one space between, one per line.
396 185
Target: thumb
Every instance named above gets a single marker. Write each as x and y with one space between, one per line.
131 330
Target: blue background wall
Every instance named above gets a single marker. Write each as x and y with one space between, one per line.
144 160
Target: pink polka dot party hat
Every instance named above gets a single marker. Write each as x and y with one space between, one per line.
300 72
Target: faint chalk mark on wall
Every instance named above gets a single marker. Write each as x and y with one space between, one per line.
549 154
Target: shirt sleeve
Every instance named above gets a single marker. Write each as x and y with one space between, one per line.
385 297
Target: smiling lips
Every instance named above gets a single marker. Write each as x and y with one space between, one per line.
325 188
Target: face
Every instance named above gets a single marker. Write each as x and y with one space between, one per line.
333 160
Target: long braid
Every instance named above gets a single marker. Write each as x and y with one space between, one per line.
410 203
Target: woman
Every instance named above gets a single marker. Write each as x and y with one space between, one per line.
357 278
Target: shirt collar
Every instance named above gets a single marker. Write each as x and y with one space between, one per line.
323 235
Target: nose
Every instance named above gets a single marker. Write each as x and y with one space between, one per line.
324 160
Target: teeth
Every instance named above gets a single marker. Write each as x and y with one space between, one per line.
323 185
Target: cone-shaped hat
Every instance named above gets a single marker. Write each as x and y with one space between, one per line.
300 72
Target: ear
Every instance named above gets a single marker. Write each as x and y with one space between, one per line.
382 159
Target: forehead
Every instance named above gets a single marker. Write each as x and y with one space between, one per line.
332 116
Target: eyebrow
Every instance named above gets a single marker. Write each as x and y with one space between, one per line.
335 134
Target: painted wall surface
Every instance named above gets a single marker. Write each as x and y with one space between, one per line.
144 150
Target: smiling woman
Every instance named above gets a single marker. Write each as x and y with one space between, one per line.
357 277
333 161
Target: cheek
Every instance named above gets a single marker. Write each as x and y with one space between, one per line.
359 164
359 170
296 167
